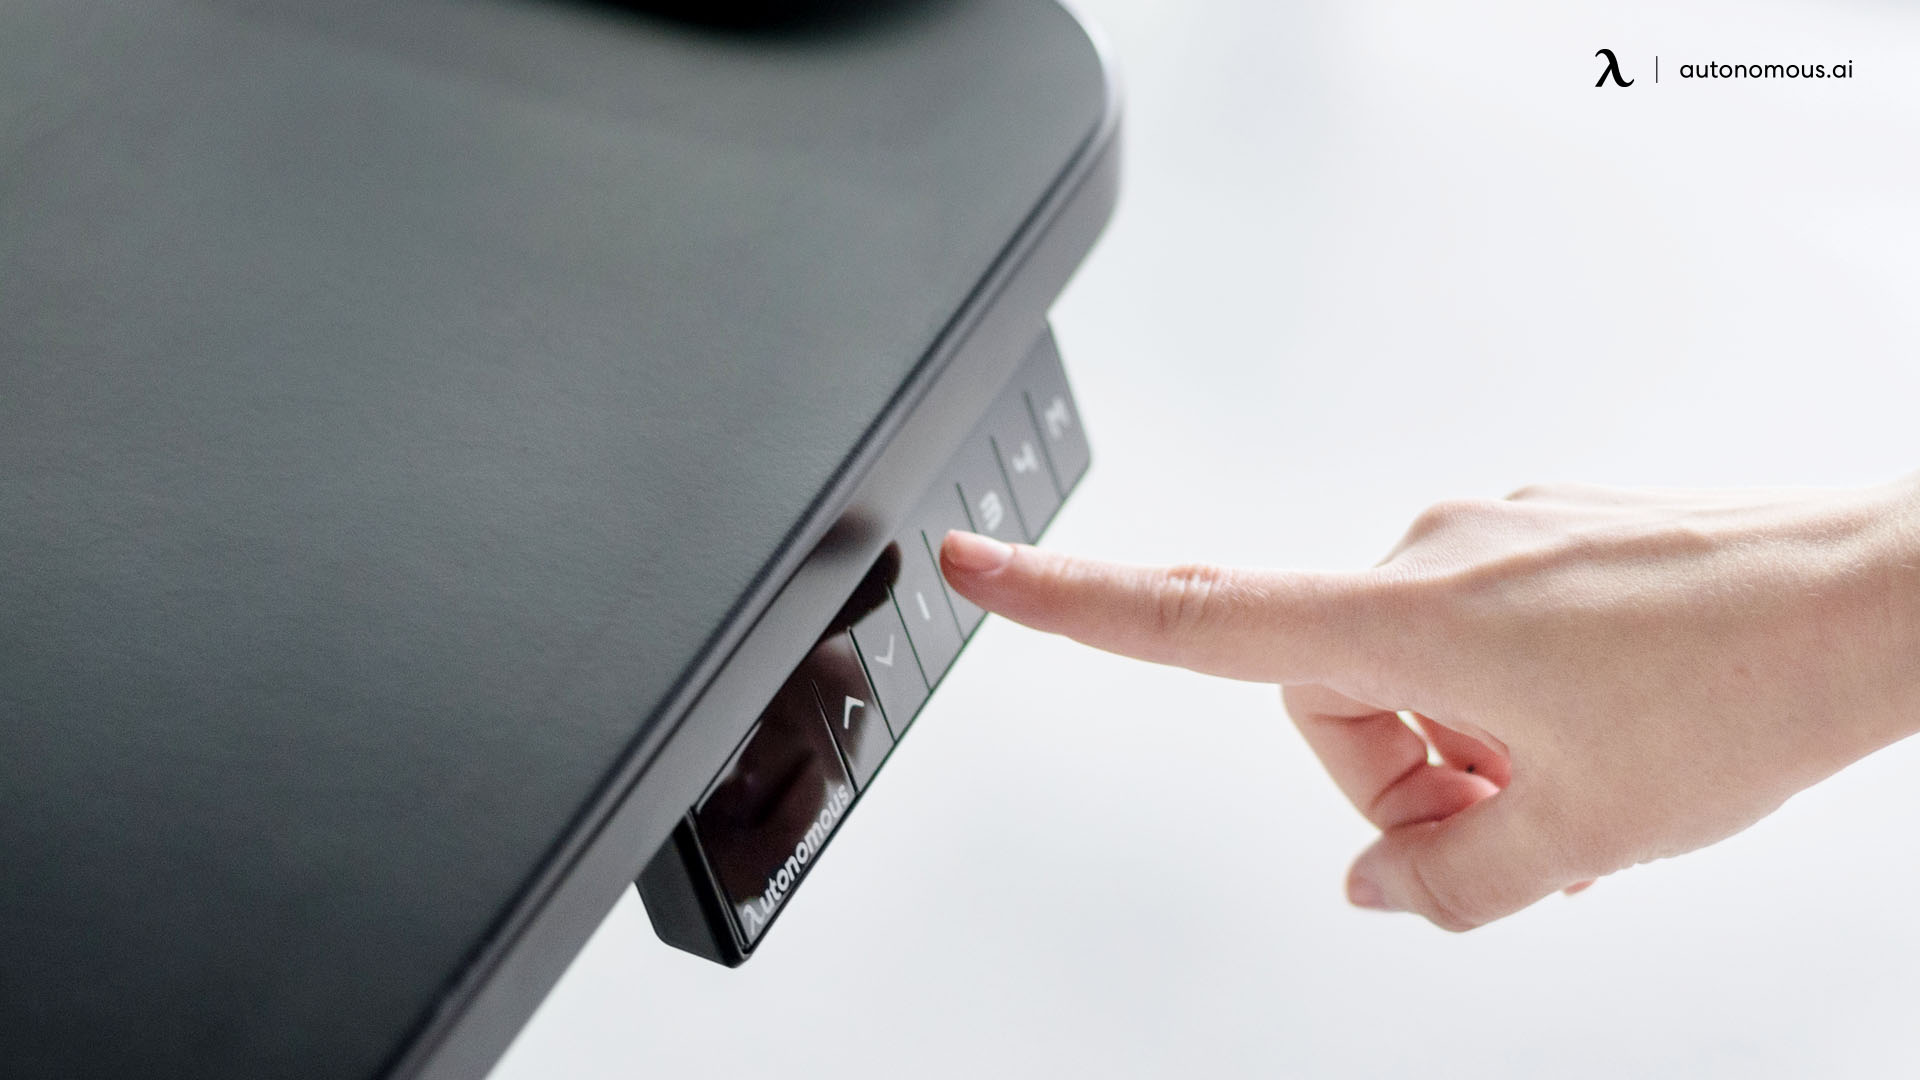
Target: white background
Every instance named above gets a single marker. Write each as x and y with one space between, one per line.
1369 255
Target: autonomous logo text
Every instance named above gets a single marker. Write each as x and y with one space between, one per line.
1754 69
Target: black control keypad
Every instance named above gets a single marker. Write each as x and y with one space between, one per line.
730 867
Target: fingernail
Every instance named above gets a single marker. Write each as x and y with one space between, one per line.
974 553
1363 892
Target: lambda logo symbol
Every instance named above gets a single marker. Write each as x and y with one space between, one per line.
1613 70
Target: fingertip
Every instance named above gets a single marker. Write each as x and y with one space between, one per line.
1364 892
971 553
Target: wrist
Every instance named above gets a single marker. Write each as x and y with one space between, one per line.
1894 616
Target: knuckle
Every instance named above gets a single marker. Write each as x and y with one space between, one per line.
1186 598
1056 573
1531 491
1069 585
1416 595
1387 593
1451 514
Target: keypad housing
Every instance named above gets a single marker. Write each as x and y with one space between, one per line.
728 871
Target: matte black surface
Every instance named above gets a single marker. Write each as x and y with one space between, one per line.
398 399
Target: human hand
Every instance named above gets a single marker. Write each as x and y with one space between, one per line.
1605 677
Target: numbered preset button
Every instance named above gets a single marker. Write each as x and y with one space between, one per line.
922 598
983 491
1054 415
1016 443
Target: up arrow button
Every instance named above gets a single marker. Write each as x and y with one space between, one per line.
859 729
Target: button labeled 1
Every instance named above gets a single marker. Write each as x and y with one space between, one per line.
940 513
922 597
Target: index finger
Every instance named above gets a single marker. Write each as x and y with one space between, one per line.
1259 625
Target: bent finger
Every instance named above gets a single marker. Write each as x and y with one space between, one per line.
1466 752
1379 762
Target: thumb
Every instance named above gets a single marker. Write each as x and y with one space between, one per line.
1483 863
1263 625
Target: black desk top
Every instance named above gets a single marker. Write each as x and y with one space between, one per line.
397 398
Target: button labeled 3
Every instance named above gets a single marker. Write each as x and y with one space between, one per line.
984 490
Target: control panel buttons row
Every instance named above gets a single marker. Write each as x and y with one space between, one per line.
1010 477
